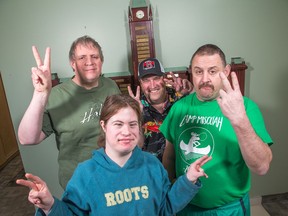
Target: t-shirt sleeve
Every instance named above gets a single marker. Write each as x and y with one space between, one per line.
257 121
46 124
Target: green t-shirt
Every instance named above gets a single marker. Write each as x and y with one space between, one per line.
197 128
72 113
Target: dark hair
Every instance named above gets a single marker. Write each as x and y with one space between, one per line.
85 41
209 49
112 105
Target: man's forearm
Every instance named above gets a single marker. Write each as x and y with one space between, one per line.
255 152
30 127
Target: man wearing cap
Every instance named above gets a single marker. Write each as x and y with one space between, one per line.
156 100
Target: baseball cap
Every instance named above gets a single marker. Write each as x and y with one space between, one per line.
150 66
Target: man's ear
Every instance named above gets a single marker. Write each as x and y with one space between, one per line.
73 65
103 126
227 70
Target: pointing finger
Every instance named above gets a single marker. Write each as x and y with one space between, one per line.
201 161
27 183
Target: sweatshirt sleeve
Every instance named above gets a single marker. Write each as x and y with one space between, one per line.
182 192
73 201
178 195
58 208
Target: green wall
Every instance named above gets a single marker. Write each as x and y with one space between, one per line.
256 30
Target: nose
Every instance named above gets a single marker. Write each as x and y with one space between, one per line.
152 83
126 130
205 77
89 61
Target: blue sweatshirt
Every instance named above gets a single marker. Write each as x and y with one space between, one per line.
99 186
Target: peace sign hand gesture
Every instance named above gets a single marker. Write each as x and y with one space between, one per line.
195 170
39 194
230 99
136 96
41 75
180 85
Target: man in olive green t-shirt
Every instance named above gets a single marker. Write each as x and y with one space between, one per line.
71 109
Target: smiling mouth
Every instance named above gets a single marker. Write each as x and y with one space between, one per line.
154 91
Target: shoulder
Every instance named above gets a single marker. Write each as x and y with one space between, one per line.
82 179
87 166
248 100
153 165
151 160
249 103
184 100
61 92
107 80
64 86
82 175
93 162
109 84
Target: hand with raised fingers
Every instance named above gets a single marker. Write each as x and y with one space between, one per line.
41 75
195 170
39 194
187 87
180 85
136 96
230 98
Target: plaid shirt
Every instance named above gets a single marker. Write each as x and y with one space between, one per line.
154 141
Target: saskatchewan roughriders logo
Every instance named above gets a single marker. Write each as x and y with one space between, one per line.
195 142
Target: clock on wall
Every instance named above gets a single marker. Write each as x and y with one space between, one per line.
140 14
141 34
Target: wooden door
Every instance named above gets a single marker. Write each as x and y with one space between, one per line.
8 142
